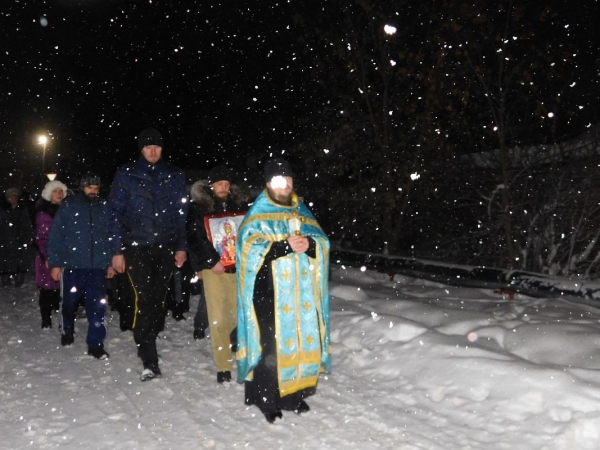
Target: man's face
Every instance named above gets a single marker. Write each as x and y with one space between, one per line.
280 189
56 196
152 153
92 191
221 189
13 199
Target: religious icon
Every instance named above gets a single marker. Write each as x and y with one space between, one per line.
221 230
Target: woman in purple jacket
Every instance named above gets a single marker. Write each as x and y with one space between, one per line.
52 197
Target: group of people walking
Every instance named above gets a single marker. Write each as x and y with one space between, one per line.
264 269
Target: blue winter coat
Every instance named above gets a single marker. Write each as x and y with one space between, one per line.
149 206
78 237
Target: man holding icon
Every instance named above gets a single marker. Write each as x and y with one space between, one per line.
283 298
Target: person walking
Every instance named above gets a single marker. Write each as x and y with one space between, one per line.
148 202
79 255
46 208
16 235
215 261
283 337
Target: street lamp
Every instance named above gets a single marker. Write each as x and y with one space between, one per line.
43 140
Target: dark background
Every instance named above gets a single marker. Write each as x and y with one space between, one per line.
376 146
222 83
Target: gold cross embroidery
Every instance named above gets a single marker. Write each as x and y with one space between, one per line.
286 275
287 309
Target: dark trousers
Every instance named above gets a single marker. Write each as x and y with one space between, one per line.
49 301
149 270
87 284
179 291
201 317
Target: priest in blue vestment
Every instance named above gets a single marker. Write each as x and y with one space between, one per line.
283 337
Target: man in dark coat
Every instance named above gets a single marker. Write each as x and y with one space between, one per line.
213 199
79 254
148 201
16 234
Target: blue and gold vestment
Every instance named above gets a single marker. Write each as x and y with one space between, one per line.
301 295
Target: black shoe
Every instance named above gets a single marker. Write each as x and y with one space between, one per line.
223 376
98 353
178 317
302 407
272 415
199 334
46 323
66 339
289 403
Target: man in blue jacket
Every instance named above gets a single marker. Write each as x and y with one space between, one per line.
148 201
79 253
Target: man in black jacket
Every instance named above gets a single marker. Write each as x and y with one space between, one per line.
213 199
148 200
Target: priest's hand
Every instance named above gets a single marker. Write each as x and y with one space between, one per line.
298 243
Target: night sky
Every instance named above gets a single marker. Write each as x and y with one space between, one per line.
218 82
224 83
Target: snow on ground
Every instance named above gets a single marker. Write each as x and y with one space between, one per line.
417 365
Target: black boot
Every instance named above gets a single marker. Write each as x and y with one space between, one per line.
5 280
199 333
223 376
66 340
272 415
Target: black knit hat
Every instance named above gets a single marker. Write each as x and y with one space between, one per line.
149 136
89 179
219 173
277 166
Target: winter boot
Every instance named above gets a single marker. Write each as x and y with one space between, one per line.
98 353
272 415
5 280
223 376
150 371
199 333
66 339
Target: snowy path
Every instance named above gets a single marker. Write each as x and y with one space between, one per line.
417 365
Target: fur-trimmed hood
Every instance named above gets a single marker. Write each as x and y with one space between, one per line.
203 198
